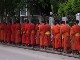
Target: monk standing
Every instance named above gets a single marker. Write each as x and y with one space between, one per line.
75 37
18 33
42 34
53 34
9 32
23 29
47 35
37 34
62 23
13 33
32 35
2 32
65 31
57 36
27 33
5 32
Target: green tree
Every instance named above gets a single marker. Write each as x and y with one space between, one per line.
76 6
61 9
68 8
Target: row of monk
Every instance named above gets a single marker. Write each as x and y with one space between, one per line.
64 38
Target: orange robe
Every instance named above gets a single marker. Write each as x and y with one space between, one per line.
66 36
79 41
5 32
57 36
75 35
62 32
13 33
9 33
42 34
37 35
32 35
27 34
47 35
53 38
2 32
18 33
23 33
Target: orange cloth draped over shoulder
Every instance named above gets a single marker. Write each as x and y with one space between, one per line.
66 36
9 33
32 35
5 32
13 33
47 35
18 33
23 29
27 34
42 34
37 35
75 37
57 36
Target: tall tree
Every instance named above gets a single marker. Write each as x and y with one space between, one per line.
61 9
76 6
39 6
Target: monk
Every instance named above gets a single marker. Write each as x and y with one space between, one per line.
13 33
18 33
47 35
62 23
9 32
42 34
57 36
75 37
53 34
65 31
23 29
5 32
2 32
27 31
37 34
79 42
32 33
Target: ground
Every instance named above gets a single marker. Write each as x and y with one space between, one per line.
14 53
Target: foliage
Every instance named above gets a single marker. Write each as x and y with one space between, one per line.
42 7
71 7
76 6
61 9
8 7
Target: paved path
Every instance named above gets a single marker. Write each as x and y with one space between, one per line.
14 53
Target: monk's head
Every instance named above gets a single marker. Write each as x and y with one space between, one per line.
37 22
62 22
77 21
67 22
10 22
32 21
47 21
43 22
17 21
55 23
14 22
27 21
